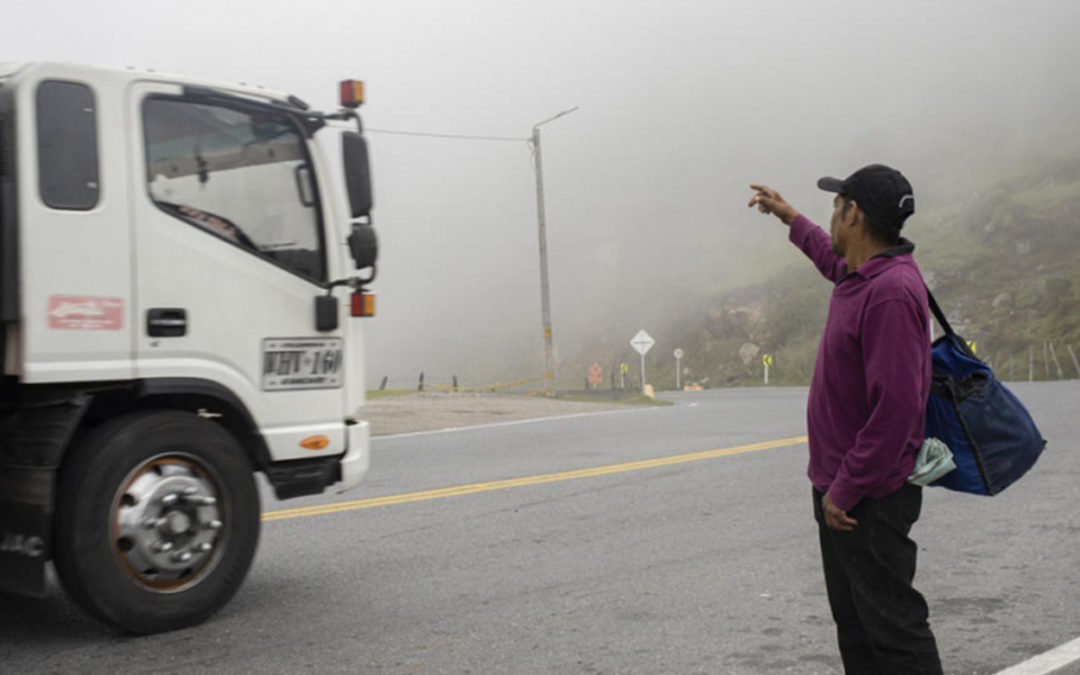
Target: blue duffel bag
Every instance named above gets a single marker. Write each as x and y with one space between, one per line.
991 435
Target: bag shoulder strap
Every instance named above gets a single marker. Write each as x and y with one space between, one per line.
938 314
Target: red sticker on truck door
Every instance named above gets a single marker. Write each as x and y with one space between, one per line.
71 312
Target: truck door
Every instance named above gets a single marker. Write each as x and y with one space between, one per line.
230 246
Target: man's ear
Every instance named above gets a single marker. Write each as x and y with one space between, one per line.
853 214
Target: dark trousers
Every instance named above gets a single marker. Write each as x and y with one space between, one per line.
881 620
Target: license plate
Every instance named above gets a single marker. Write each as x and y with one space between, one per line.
302 363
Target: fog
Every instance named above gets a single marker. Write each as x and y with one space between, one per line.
682 105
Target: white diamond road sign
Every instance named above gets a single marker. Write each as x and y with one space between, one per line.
642 342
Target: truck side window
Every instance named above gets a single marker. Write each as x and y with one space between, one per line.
67 145
242 174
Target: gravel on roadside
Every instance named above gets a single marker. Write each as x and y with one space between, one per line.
429 411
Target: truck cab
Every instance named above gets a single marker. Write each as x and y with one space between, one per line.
183 265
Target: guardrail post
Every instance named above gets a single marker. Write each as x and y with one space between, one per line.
1057 364
385 379
420 386
1076 364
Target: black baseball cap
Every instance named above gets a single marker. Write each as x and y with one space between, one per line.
880 191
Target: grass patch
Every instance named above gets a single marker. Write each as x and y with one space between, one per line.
383 393
1043 196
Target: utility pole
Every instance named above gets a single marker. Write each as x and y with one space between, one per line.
545 297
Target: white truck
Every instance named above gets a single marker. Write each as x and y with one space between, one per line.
176 258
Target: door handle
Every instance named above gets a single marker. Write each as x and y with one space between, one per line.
166 322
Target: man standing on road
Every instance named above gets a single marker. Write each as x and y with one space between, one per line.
865 417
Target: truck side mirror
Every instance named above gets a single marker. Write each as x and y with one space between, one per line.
364 245
357 174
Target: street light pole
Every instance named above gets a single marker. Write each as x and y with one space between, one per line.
545 298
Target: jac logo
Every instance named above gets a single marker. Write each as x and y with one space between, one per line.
20 544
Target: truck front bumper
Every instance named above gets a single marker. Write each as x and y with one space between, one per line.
354 465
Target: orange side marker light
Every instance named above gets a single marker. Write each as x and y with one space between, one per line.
317 442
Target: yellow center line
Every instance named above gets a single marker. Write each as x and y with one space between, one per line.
473 488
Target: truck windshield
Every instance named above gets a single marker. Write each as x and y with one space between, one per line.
242 174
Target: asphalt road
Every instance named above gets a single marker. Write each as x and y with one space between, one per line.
698 564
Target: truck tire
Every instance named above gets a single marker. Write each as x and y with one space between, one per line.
157 520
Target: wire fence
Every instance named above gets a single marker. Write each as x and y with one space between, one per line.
529 385
432 382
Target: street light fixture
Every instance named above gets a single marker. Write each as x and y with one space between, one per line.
545 299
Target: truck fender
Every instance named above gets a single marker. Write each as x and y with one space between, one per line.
198 392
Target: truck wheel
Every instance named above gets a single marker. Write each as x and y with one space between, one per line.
157 519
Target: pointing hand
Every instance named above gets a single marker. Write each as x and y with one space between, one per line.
769 201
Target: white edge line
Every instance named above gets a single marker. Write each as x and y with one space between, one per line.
1047 662
514 422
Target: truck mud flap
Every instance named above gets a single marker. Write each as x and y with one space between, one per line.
25 522
33 438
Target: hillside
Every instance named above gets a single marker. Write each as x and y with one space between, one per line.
1003 263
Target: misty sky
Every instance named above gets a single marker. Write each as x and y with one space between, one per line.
682 104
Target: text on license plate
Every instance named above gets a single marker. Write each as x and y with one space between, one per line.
302 363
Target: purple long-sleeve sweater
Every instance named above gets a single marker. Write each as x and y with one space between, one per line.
867 406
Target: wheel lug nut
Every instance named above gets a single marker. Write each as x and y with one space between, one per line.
163 547
150 523
181 556
170 499
188 491
205 547
212 525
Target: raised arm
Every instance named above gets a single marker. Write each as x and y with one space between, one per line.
816 244
811 239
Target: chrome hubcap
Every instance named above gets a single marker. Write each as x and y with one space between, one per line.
167 523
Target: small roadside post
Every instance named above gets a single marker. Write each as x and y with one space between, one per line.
642 342
767 361
678 368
